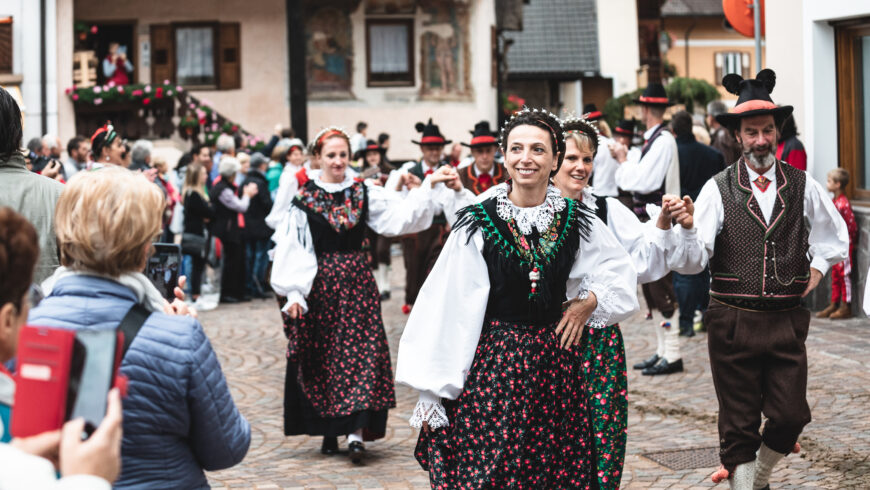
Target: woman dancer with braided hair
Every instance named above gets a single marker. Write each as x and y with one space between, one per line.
339 380
655 249
487 345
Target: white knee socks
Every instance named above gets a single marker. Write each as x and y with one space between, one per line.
766 459
743 477
671 338
660 341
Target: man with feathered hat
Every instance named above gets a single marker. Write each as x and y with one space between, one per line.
769 233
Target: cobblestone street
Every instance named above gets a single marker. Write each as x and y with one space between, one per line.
666 413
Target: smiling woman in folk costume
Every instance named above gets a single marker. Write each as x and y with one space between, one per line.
651 248
339 380
483 172
501 402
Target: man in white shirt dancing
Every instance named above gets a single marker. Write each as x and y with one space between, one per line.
769 232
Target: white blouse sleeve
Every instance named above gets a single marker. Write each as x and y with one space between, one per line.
646 174
295 263
829 237
654 252
287 188
452 201
441 336
603 267
391 214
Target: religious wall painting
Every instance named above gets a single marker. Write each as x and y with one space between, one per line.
390 7
445 57
329 53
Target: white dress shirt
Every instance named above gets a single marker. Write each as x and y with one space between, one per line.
660 164
828 237
604 169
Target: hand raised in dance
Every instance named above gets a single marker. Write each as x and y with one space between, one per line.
674 208
573 320
410 181
295 311
449 176
618 151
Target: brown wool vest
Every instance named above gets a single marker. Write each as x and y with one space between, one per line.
758 265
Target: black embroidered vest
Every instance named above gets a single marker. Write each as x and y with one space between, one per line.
509 297
337 220
758 265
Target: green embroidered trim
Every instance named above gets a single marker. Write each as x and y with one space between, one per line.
509 247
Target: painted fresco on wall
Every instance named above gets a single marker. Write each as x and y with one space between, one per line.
382 7
445 59
329 54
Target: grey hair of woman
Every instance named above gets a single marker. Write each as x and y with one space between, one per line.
229 167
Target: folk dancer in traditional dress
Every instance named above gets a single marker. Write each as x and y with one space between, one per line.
483 172
653 246
420 250
654 173
495 360
339 380
769 232
374 166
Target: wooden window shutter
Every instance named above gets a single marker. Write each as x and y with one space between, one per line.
229 57
162 54
6 45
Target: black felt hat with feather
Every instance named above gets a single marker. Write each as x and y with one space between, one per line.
753 99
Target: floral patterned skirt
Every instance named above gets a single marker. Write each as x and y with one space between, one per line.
339 377
521 421
606 387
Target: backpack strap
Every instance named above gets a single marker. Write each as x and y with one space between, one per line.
131 324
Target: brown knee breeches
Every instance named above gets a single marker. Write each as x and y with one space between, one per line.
759 365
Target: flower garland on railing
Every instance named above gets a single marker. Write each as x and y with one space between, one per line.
199 115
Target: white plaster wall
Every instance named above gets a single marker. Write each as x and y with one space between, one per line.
395 110
263 101
800 48
26 61
618 48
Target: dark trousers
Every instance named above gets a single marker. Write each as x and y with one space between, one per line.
420 251
256 261
659 295
233 275
379 248
693 293
759 365
196 274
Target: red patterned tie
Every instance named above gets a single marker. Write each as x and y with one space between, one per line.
485 180
428 173
762 183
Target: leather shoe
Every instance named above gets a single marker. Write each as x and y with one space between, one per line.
230 300
647 363
330 446
356 450
664 367
385 295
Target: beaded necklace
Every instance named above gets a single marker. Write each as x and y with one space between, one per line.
536 256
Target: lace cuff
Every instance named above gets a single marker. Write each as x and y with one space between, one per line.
429 410
606 300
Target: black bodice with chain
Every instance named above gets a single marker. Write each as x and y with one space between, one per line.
552 254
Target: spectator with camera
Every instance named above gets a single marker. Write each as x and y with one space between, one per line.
32 462
179 417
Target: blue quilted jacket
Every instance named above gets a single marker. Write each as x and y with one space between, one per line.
179 416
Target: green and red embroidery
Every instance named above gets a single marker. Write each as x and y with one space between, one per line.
342 210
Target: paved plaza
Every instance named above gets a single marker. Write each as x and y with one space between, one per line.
671 413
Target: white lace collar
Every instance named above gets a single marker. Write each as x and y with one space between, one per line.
334 187
588 198
539 216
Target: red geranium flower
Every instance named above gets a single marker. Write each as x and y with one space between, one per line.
146 100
